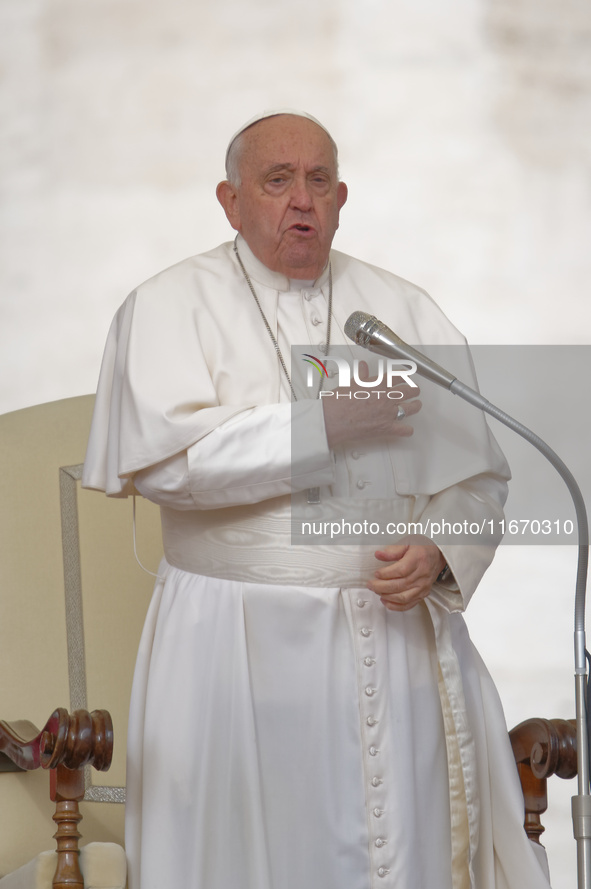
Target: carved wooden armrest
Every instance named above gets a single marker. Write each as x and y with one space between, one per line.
64 745
542 747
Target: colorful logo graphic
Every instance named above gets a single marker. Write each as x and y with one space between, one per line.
315 362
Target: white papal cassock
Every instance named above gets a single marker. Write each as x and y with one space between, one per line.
320 741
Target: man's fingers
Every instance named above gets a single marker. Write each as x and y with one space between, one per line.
406 393
410 407
392 553
400 598
397 584
403 605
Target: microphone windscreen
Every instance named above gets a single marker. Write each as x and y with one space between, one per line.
354 323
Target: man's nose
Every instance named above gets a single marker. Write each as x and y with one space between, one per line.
301 197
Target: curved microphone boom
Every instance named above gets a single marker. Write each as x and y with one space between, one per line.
367 331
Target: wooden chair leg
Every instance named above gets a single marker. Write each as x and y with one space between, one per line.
67 788
535 797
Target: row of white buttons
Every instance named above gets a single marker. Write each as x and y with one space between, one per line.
315 319
369 661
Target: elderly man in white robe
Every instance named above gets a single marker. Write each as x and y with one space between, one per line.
334 726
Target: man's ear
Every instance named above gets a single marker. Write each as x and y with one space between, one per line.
342 193
227 195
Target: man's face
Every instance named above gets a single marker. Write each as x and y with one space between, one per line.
287 205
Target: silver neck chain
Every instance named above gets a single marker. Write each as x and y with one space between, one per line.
268 326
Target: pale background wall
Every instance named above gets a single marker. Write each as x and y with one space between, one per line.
464 131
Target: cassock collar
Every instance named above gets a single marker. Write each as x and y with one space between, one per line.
268 278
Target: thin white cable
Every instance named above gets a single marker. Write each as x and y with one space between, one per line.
143 567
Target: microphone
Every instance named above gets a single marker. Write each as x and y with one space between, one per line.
367 331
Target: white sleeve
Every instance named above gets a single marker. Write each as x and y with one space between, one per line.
247 459
479 501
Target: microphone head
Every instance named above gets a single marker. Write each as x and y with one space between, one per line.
354 326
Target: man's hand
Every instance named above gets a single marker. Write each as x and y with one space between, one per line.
348 418
408 576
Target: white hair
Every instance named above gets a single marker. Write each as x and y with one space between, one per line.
236 147
233 158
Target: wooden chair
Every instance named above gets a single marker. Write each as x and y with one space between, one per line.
72 606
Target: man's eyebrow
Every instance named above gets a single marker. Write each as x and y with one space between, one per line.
276 167
290 167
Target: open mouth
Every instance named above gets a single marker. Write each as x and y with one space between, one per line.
301 227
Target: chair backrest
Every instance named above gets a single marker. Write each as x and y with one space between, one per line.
72 604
